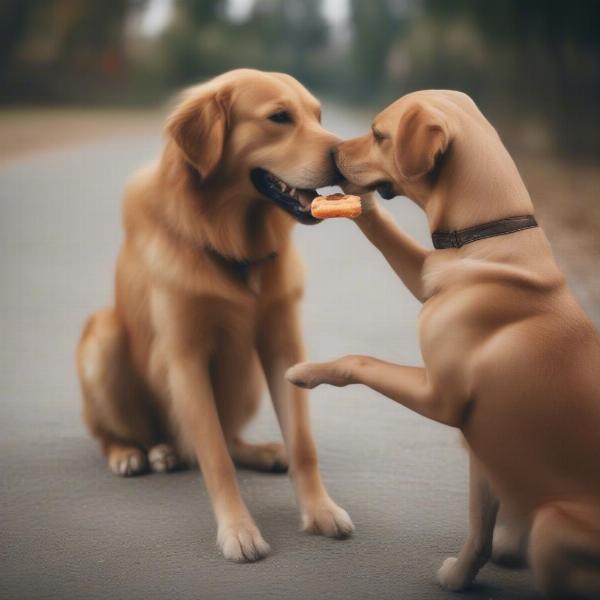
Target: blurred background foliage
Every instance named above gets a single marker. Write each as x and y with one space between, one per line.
524 61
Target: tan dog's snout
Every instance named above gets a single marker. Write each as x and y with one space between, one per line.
359 169
403 147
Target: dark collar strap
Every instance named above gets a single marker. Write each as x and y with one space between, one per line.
457 239
240 269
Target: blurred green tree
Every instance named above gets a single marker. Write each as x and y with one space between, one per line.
278 34
375 26
15 20
537 60
541 58
57 48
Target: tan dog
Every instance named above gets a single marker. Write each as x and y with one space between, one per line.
207 291
510 358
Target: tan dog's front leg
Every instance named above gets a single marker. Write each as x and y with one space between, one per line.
403 254
279 347
408 386
238 537
458 573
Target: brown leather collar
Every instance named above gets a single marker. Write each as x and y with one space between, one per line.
457 239
240 269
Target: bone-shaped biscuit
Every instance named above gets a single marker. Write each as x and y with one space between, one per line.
336 205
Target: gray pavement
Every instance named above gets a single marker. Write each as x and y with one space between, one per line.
70 529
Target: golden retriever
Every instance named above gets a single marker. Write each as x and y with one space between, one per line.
208 284
510 358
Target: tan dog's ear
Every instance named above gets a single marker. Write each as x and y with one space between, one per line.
198 127
422 136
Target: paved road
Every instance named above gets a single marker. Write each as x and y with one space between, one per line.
70 529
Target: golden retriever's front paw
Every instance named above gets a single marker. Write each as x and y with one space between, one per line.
450 577
327 518
242 543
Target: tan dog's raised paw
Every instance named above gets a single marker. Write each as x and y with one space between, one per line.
311 374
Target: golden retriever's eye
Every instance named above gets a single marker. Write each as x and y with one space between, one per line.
283 116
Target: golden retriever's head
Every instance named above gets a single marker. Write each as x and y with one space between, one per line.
256 136
408 141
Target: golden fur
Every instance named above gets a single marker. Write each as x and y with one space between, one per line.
176 368
510 358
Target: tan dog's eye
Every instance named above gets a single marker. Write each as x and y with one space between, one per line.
379 137
281 117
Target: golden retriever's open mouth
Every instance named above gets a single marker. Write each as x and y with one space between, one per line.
294 201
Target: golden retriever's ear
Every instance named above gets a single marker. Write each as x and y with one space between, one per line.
198 127
421 138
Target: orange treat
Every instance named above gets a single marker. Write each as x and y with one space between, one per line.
336 205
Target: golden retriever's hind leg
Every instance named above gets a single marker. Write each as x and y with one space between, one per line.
164 459
239 385
116 409
270 457
126 461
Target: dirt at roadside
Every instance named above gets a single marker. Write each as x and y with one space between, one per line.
27 131
566 196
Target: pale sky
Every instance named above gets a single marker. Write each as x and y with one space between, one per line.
159 13
156 17
336 11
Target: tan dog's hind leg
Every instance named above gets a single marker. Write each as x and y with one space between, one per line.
458 573
511 537
115 408
564 551
408 386
280 347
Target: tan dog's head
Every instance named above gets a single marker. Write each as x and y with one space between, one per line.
255 135
408 141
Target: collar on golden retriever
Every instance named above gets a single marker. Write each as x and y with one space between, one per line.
240 269
457 239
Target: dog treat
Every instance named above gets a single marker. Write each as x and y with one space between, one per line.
336 205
